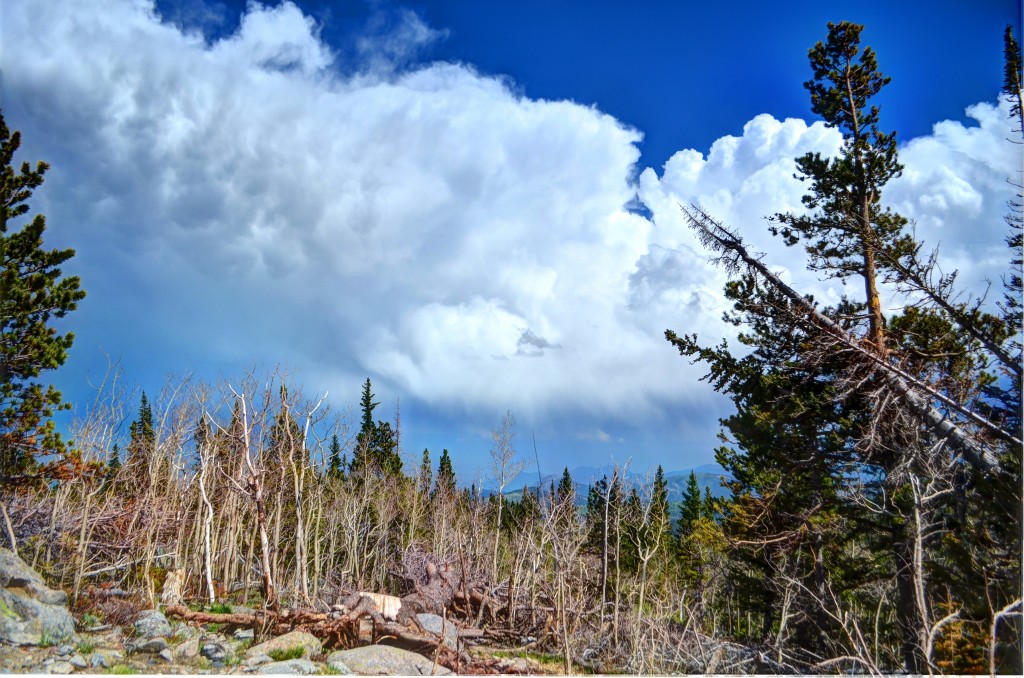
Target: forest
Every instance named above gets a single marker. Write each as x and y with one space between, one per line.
872 517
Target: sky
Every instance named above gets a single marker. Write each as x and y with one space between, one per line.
474 204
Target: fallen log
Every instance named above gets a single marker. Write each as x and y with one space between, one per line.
335 632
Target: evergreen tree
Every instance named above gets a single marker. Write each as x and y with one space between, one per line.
444 484
709 508
690 508
113 466
565 493
425 477
367 404
659 503
848 226
564 497
1012 77
595 513
335 468
142 436
33 292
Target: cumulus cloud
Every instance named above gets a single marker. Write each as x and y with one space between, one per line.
248 199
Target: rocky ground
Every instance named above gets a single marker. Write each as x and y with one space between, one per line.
39 635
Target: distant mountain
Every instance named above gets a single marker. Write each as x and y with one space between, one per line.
708 476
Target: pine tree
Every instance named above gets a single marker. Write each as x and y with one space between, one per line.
565 493
1012 76
659 503
335 468
848 226
444 484
142 437
32 293
690 508
425 477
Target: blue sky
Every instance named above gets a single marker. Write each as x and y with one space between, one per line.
433 194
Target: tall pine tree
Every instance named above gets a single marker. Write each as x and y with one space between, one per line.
33 292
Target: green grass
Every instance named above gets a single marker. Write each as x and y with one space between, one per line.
122 670
297 652
219 608
86 647
328 670
88 619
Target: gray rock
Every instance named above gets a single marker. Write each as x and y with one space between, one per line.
31 613
516 665
256 660
151 646
188 650
78 661
166 655
215 652
59 667
291 667
98 661
433 623
245 634
339 666
309 643
152 623
376 660
65 650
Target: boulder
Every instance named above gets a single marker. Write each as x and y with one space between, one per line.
384 660
309 643
213 651
338 666
31 613
150 646
291 667
188 650
152 623
434 624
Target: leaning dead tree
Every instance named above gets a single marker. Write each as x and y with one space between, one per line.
965 431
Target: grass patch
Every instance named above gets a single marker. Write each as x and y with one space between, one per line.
219 608
122 670
297 652
86 647
328 670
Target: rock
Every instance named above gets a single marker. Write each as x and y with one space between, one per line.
98 661
376 660
433 623
60 667
166 655
215 652
309 643
188 650
31 613
338 665
78 661
171 594
152 623
65 650
244 634
516 665
151 646
256 660
291 667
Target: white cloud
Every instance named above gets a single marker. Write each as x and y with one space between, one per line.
245 201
